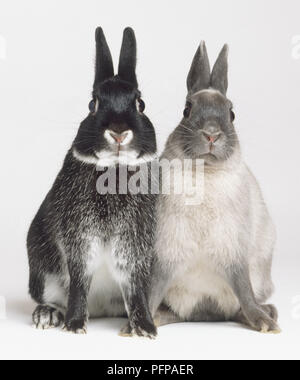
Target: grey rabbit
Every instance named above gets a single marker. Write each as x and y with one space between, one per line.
91 254
214 259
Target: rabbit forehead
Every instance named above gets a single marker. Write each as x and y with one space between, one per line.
209 97
115 88
210 103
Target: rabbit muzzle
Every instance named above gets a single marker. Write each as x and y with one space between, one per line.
118 139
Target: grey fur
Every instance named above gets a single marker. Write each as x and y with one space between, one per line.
214 260
219 76
199 75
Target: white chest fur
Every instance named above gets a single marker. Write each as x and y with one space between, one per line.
105 297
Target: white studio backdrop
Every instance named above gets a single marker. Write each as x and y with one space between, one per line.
47 54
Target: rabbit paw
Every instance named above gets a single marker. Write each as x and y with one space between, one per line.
271 311
126 331
143 330
78 327
263 320
46 317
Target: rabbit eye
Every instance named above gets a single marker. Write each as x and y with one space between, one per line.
140 105
187 111
232 115
94 106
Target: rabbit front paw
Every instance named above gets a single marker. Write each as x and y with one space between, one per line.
143 329
76 326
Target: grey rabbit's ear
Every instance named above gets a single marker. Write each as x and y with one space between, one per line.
219 76
199 75
104 62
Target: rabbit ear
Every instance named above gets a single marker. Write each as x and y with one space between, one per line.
219 76
104 63
127 65
199 75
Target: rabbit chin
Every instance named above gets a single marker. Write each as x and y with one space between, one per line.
215 156
108 158
209 158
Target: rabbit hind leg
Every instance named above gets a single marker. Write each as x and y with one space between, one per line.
52 301
165 316
270 311
47 317
206 311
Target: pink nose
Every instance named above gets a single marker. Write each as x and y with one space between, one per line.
118 138
212 138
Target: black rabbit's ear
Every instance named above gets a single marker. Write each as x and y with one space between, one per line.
199 75
104 63
127 65
219 76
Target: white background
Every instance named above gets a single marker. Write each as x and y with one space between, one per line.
45 86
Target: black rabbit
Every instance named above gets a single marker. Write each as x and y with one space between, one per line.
91 254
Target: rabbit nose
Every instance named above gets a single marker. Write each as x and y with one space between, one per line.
119 138
212 137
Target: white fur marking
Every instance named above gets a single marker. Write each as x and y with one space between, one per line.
54 293
108 159
105 284
86 159
211 91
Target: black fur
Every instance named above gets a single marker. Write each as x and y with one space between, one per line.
73 212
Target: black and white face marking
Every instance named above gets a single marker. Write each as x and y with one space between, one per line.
116 131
